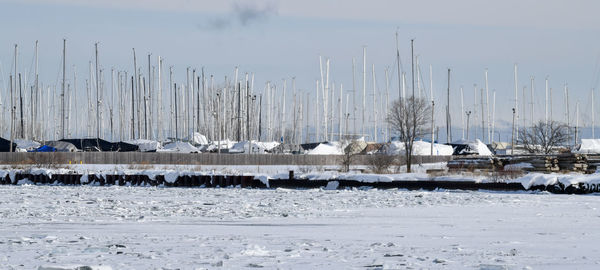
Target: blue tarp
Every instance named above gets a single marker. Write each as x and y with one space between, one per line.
45 148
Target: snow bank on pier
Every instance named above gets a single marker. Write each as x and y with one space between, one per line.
419 148
541 179
179 147
145 145
589 146
329 148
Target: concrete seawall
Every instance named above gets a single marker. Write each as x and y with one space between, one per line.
192 159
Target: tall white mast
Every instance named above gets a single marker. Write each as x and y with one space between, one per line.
364 90
593 117
387 102
98 101
400 77
37 89
532 101
326 100
374 105
546 104
282 118
576 122
340 117
269 111
516 104
159 98
332 111
322 93
418 78
494 115
354 109
62 115
462 112
347 114
487 105
432 108
403 85
317 123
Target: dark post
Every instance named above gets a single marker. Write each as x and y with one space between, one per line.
132 109
21 105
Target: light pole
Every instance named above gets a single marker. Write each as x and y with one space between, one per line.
468 117
512 141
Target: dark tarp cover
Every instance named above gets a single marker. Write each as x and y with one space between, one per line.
5 145
96 145
309 146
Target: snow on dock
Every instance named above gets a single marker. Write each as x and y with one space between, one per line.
188 176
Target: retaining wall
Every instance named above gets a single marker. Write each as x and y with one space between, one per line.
191 159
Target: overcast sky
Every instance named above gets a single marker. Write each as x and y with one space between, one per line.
283 39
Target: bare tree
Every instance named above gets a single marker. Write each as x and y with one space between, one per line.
409 118
380 163
349 154
543 138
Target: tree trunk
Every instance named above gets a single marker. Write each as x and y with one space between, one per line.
408 158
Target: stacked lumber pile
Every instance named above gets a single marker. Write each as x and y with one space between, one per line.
536 163
566 162
573 162
593 162
474 163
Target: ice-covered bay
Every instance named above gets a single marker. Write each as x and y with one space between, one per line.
142 228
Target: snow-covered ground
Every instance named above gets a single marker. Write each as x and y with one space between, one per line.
148 227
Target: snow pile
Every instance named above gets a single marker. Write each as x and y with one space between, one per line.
145 145
180 147
329 148
541 179
419 148
473 147
198 139
214 145
589 146
257 147
27 145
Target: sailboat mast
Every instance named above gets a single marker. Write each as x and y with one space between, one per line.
374 104
462 111
593 117
98 124
159 99
432 108
532 90
354 109
340 99
62 115
546 104
412 64
362 132
576 122
35 106
448 120
516 108
326 100
400 77
487 105
494 115
12 114
21 108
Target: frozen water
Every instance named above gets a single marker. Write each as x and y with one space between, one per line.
58 227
